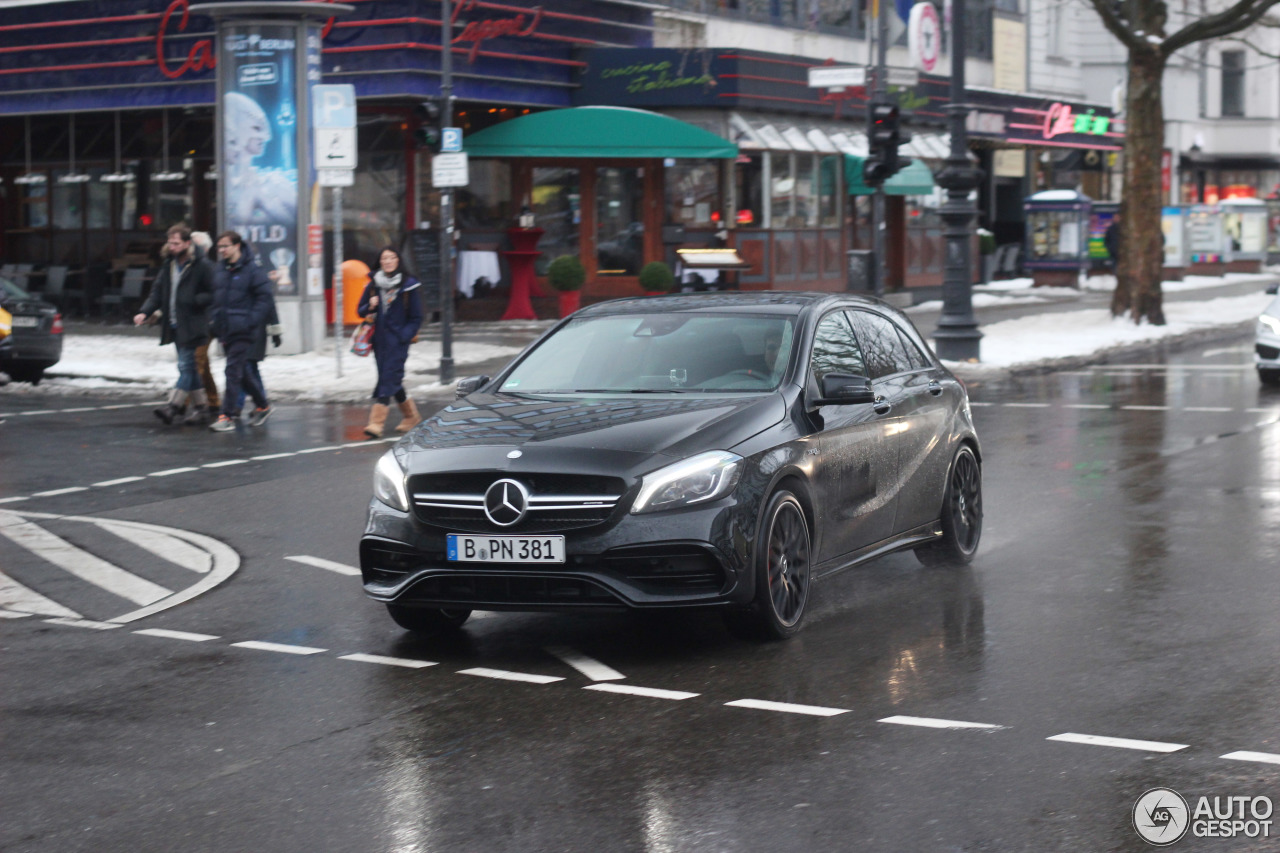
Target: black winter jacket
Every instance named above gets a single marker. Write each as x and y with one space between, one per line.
190 328
242 297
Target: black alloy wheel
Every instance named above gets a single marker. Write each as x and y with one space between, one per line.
783 579
427 621
961 514
1268 376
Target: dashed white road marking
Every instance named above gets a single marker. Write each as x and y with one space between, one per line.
1027 405
1118 742
1145 408
13 500
504 675
80 563
225 463
1245 755
787 707
1088 406
934 723
118 482
267 456
632 690
172 471
66 491
279 647
389 661
330 565
1207 409
18 597
176 635
589 667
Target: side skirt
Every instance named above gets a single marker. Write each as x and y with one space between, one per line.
914 538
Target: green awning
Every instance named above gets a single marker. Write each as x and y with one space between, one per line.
916 179
597 132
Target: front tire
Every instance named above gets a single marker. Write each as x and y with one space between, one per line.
782 573
1268 376
961 514
427 621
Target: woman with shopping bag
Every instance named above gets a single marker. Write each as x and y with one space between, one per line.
391 302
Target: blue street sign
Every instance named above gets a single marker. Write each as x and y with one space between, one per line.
450 139
335 105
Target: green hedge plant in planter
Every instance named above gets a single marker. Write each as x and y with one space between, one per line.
656 277
566 275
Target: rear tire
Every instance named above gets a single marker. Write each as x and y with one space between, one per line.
961 514
782 574
27 374
1267 376
427 621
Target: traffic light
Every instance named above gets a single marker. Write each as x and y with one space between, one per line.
884 135
427 130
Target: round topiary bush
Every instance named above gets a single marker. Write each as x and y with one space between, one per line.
656 277
566 273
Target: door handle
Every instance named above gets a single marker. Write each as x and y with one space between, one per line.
934 388
881 406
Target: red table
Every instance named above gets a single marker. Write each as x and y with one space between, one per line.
520 258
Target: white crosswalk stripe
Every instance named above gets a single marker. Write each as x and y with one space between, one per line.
15 596
80 563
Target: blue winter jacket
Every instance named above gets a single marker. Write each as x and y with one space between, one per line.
242 298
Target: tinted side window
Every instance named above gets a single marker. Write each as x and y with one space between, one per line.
835 349
885 352
917 358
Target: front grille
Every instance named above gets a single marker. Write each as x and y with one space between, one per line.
1267 352
556 501
477 590
668 570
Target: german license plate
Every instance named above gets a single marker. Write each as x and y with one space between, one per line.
24 322
505 549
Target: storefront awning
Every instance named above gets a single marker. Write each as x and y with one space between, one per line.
915 179
598 132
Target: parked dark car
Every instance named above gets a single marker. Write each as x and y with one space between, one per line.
655 452
36 342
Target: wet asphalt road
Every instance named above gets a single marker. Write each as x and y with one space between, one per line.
1126 588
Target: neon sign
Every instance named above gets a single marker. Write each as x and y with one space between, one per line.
200 56
479 31
1060 119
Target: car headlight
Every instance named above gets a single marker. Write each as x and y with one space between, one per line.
1267 323
700 478
389 482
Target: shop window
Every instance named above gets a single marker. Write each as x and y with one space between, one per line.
35 205
485 203
556 203
748 179
68 204
1233 82
692 193
782 191
619 220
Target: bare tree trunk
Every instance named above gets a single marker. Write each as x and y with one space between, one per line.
1141 239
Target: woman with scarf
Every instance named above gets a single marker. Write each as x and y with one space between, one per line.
391 302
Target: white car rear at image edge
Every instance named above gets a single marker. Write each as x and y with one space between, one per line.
1266 350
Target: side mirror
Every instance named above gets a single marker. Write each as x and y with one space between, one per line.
469 385
1273 289
845 389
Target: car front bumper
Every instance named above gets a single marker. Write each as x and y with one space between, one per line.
696 556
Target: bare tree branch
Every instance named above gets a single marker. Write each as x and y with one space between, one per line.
1233 19
1252 46
1119 29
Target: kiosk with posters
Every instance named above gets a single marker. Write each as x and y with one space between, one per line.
1057 237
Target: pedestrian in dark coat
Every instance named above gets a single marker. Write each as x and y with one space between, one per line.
178 303
1111 239
391 300
241 301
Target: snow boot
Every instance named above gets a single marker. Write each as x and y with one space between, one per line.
377 420
409 416
198 411
172 408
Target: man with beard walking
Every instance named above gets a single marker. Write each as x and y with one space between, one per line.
241 301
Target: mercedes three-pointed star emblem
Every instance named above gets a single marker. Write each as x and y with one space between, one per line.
506 502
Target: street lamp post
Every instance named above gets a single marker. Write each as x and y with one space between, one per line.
957 336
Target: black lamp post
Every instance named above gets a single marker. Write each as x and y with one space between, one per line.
957 336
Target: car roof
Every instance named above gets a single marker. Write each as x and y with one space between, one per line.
753 302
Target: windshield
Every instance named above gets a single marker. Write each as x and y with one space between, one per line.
10 291
652 353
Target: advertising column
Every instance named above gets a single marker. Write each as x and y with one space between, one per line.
268 61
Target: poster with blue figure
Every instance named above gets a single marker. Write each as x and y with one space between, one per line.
259 145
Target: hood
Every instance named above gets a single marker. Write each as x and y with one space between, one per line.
670 425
